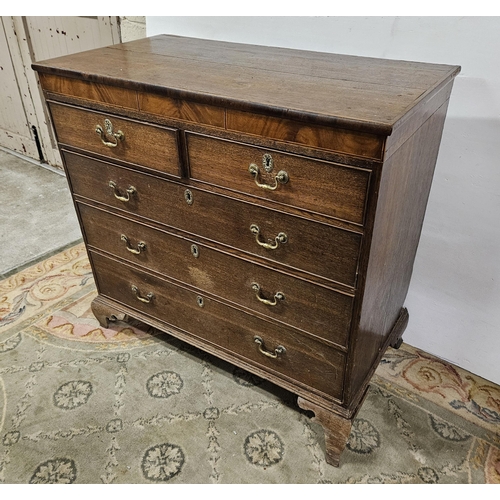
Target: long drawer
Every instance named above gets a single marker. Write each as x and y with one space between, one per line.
127 140
315 309
328 188
296 242
279 350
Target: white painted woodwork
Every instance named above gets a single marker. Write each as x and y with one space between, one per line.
55 36
15 133
26 39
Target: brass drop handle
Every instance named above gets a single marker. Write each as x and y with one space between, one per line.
141 246
278 296
280 178
107 133
130 191
149 297
281 238
270 354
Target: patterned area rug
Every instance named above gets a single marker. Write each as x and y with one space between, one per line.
128 404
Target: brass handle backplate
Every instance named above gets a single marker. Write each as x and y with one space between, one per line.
281 238
141 246
268 164
270 354
107 133
278 296
130 191
149 297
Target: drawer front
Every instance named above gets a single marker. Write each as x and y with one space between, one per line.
230 330
319 186
146 145
298 303
315 248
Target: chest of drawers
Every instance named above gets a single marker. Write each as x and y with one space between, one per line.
262 204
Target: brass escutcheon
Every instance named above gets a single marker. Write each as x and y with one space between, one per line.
267 162
195 251
108 133
188 196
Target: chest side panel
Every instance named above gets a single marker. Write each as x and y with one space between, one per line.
395 226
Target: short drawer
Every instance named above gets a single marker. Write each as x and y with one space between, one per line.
296 242
127 140
314 309
280 350
323 187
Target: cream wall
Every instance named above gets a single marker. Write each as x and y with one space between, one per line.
454 296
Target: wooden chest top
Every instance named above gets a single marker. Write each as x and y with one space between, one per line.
356 93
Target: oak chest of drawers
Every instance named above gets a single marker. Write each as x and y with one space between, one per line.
262 204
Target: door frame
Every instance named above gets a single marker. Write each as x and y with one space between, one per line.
21 50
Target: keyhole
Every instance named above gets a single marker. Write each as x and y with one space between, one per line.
195 251
188 196
200 301
267 162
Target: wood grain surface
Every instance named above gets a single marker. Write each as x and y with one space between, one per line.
356 92
223 275
148 145
306 361
116 96
315 248
398 220
322 187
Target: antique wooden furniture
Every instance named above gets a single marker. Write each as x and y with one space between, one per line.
262 204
